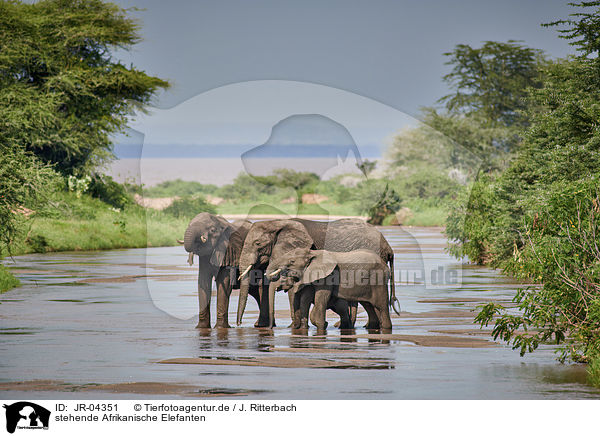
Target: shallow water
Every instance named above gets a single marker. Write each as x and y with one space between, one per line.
117 324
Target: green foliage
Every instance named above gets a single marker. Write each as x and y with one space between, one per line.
301 182
106 189
366 166
539 219
7 280
78 185
189 207
493 81
426 184
25 185
69 223
179 188
246 187
61 93
584 31
377 200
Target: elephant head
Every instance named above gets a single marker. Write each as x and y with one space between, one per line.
299 267
266 239
207 236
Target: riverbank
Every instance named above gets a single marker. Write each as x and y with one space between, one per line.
88 224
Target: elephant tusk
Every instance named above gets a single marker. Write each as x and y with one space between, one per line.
274 273
203 239
191 259
245 272
180 241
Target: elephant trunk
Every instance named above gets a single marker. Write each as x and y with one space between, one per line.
189 237
243 298
272 288
247 261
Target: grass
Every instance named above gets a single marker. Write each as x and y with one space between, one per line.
7 280
593 370
426 215
85 223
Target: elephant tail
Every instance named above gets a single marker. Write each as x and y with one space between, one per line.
394 303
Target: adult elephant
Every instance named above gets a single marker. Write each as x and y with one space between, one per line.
273 239
218 245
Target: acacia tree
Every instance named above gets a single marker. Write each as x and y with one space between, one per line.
62 93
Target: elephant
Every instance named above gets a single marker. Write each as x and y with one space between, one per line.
301 302
268 240
357 275
218 244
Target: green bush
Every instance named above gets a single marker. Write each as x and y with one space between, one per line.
377 200
25 186
179 188
430 184
7 280
106 189
189 207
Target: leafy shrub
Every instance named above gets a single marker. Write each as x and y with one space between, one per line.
106 189
78 185
7 280
246 187
25 183
189 207
377 200
428 184
179 188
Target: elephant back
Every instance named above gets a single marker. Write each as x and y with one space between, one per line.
351 234
236 242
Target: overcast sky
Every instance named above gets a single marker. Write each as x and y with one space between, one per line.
388 51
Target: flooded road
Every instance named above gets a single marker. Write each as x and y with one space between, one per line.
119 324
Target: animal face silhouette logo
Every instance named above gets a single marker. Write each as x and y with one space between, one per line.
26 415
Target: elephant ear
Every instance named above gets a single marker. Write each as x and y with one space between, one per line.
218 257
320 266
291 235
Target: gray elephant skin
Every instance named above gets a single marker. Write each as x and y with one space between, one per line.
354 276
218 245
268 241
302 299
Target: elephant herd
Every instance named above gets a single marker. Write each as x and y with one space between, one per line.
329 265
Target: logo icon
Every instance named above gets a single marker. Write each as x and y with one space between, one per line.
26 415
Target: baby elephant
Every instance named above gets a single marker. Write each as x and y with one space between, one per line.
355 276
302 299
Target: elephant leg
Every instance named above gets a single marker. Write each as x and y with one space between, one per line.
373 323
383 314
306 299
223 281
204 292
318 314
373 319
263 305
293 315
353 309
382 307
340 306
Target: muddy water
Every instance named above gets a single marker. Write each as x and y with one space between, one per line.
119 324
